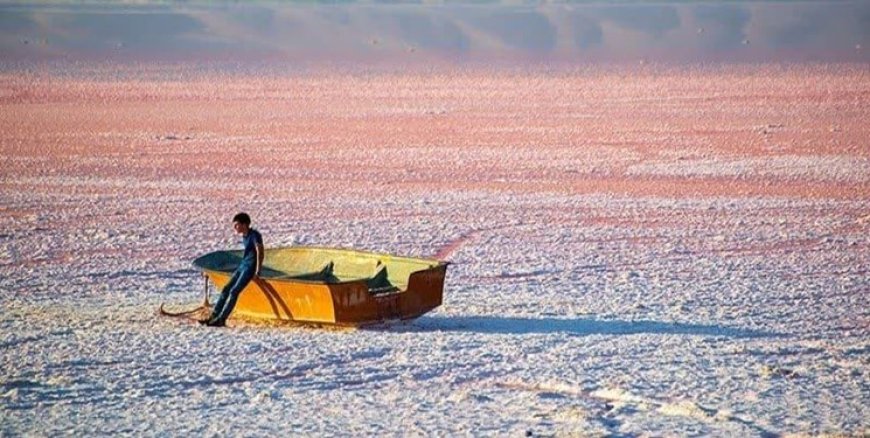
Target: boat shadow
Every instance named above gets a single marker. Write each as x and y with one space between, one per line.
571 326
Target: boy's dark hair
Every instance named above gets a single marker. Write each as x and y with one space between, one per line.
242 218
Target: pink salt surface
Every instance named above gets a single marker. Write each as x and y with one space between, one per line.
589 214
299 136
568 131
520 131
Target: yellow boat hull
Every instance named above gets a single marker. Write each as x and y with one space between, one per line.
352 288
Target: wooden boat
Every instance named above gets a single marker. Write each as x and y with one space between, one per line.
332 286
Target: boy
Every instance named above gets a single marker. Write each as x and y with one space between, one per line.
248 269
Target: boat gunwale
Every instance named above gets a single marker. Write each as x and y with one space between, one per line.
433 264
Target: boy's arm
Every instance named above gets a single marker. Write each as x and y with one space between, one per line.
260 255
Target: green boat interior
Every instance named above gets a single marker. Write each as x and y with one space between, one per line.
382 273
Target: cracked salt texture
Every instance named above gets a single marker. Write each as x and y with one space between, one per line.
596 289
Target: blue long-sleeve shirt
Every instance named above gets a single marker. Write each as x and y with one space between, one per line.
250 241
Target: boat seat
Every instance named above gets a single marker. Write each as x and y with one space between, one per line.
323 274
267 272
379 283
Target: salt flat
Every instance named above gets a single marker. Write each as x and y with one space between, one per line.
637 250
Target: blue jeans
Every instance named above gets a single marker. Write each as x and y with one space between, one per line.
230 293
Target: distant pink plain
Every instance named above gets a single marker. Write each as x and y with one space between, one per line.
592 130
